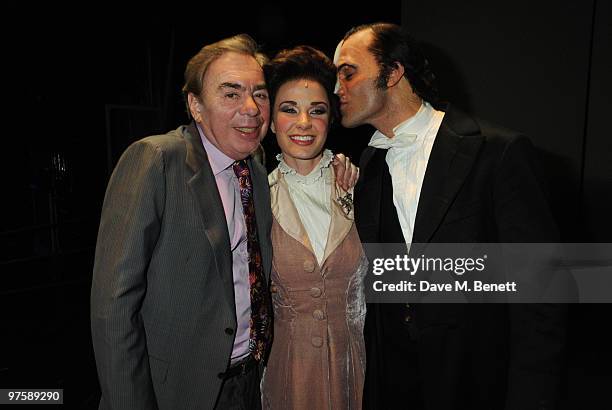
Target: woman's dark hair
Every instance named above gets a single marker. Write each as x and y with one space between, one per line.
391 45
302 62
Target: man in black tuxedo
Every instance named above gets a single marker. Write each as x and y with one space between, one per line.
433 176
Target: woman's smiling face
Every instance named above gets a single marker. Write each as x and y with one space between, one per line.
301 118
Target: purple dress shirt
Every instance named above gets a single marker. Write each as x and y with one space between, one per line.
229 190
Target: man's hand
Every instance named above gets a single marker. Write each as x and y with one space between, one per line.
347 173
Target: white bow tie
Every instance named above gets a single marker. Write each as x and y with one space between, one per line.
401 140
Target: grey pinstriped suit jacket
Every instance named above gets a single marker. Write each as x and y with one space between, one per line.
162 297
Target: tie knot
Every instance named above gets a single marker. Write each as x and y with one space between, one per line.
241 168
402 140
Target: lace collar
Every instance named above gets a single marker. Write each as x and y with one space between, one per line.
315 175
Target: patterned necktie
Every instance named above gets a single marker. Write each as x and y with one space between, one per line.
260 334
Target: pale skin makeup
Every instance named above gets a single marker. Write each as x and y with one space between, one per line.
233 109
361 101
301 118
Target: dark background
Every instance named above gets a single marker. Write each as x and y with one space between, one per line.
85 81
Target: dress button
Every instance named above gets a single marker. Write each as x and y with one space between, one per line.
309 266
229 331
317 341
318 314
315 292
407 305
220 375
407 318
273 289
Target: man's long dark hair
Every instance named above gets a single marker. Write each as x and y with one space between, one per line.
391 45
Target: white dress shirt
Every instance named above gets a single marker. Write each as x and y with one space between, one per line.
407 156
311 195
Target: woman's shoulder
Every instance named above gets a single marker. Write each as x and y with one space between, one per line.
274 177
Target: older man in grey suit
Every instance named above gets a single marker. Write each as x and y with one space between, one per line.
180 309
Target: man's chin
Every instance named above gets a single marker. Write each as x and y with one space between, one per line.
348 123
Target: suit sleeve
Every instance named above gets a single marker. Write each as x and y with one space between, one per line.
537 331
129 228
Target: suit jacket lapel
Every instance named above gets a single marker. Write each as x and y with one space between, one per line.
367 194
204 189
453 153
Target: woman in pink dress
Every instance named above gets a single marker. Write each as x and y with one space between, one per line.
317 360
